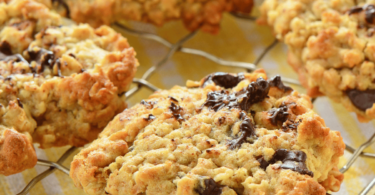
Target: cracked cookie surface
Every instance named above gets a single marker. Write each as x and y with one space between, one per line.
59 85
195 14
228 134
331 46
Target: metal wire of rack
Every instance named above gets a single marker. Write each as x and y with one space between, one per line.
177 47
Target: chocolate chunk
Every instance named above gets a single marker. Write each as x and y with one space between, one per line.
43 58
263 163
276 82
223 79
5 48
148 105
362 99
297 167
210 188
369 13
173 99
285 155
254 93
221 120
355 10
279 115
7 55
291 125
247 130
58 63
150 117
293 160
176 112
19 103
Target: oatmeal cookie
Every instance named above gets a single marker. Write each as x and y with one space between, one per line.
331 46
228 134
195 14
59 85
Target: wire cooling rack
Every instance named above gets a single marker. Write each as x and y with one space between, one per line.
178 47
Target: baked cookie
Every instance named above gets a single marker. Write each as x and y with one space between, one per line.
195 14
228 134
59 85
331 46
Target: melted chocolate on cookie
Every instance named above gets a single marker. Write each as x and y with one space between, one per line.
43 58
19 103
263 163
293 160
148 105
7 55
276 82
254 93
150 117
362 99
247 130
369 12
223 79
176 112
291 125
278 115
210 188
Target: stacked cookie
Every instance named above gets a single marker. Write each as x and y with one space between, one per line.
195 14
330 46
228 134
59 84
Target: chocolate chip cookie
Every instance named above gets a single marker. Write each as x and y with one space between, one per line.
195 14
331 46
59 85
228 134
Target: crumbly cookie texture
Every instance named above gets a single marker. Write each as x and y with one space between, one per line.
59 85
228 134
195 14
331 46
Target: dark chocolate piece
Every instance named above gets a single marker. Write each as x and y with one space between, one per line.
19 103
58 63
176 112
279 115
173 99
43 58
221 120
362 99
293 160
7 55
5 48
369 13
150 117
291 125
355 10
210 188
276 82
247 130
223 79
263 163
254 93
148 105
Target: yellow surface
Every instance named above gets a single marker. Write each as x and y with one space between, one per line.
238 40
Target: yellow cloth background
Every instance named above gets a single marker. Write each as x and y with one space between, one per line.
239 40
